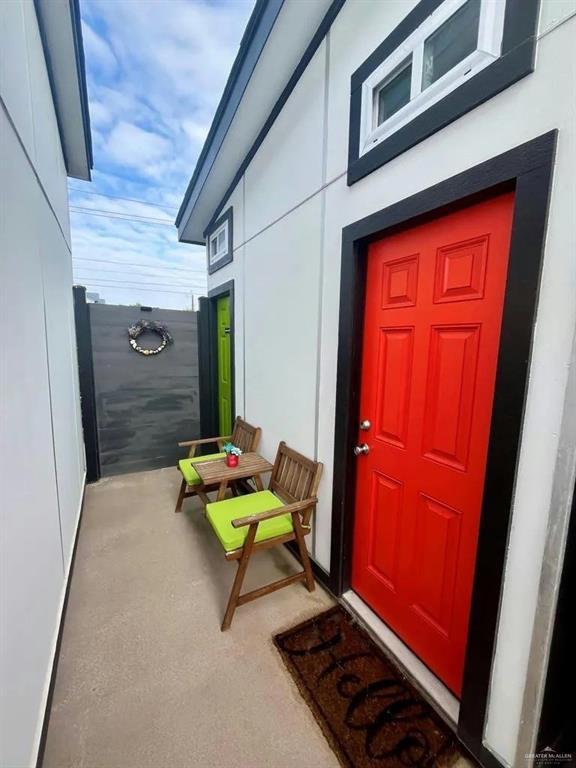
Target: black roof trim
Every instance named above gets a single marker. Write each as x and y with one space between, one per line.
249 36
81 64
327 20
76 22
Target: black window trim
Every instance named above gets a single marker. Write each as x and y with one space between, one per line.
516 61
227 217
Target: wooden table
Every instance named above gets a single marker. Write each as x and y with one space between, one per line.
217 472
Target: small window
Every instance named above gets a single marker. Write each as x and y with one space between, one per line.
458 40
219 242
444 59
394 93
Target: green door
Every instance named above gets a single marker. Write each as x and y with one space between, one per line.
224 366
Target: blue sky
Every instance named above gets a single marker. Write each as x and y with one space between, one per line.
156 70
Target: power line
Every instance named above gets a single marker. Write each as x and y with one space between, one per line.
114 284
164 223
137 282
130 288
120 213
133 282
118 197
123 283
124 273
134 264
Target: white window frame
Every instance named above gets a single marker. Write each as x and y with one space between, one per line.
215 258
490 31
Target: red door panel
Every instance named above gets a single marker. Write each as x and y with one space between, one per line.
433 313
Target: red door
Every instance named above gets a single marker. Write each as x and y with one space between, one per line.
434 300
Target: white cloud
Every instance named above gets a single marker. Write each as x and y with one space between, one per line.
196 132
134 147
156 71
98 51
100 115
129 262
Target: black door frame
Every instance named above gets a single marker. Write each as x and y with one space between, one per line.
86 383
208 358
526 169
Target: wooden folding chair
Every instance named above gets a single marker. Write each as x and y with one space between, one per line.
244 436
261 520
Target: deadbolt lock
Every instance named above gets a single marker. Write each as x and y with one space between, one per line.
365 425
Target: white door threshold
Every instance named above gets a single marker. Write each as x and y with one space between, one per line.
424 680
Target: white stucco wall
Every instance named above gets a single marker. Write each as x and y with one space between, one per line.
281 318
41 447
294 201
289 160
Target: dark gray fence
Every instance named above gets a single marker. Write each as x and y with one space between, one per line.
144 404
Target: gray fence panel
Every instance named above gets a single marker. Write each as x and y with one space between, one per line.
144 405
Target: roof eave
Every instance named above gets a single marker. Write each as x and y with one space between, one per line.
61 32
255 36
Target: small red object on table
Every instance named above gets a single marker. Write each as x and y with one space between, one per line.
217 471
231 460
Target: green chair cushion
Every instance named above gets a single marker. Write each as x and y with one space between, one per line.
221 513
190 475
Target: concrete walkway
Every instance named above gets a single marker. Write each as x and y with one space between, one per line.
145 678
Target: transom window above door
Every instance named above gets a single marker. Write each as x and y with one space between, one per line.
458 40
445 58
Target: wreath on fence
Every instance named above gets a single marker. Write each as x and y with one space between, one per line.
134 331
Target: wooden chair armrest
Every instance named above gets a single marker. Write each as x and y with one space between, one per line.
299 506
202 441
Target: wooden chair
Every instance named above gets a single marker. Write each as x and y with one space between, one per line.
244 436
261 520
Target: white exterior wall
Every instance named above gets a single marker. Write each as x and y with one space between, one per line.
41 447
293 203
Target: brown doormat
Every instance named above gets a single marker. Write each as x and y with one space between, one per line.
368 711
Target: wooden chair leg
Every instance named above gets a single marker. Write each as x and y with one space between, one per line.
303 551
181 496
240 573
203 498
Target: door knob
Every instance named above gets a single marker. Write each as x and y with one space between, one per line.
360 450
